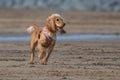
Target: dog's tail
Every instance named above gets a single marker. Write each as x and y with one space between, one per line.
32 28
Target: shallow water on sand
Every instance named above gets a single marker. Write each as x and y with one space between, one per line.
70 37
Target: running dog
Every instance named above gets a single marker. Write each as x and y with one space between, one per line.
45 37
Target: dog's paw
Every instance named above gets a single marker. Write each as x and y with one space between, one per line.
44 63
31 62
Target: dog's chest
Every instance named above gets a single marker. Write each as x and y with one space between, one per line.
52 36
47 39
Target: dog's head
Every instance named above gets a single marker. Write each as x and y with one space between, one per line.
55 23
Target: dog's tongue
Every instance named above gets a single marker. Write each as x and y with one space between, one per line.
61 30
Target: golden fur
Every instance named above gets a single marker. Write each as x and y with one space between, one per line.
45 38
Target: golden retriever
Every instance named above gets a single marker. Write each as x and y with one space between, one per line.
45 37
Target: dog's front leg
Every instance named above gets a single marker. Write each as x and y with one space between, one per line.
50 49
42 51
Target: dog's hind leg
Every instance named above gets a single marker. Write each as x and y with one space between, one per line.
33 44
32 49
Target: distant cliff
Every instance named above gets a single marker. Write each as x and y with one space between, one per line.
104 5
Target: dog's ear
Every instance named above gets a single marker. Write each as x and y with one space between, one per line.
50 23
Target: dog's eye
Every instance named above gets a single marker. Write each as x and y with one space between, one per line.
57 19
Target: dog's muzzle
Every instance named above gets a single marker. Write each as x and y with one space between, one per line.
61 30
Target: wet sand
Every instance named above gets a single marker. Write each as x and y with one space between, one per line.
71 60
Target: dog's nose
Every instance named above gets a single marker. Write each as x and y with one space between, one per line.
64 24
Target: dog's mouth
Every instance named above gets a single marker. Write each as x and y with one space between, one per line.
61 30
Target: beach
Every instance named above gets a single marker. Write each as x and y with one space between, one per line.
95 59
